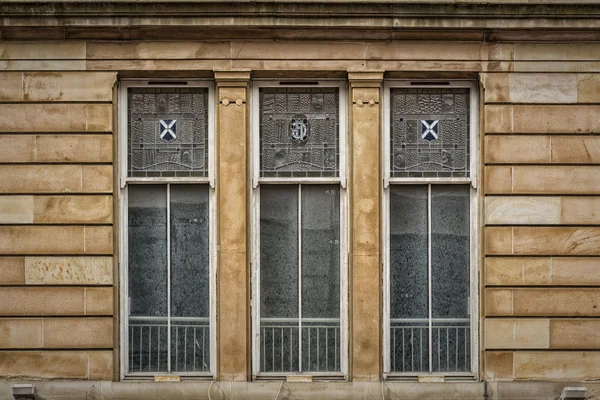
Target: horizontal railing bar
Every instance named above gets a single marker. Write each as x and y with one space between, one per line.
303 320
425 320
173 319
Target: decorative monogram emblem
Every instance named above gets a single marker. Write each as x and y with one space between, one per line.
168 129
299 128
429 130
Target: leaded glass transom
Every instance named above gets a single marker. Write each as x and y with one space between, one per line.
429 132
299 132
168 132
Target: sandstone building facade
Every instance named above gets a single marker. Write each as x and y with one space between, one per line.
364 198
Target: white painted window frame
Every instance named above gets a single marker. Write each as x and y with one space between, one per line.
256 85
124 181
472 181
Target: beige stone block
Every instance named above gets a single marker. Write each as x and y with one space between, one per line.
68 86
439 66
588 88
40 178
499 365
17 148
517 271
160 50
233 314
16 209
71 209
556 302
41 239
99 301
232 177
39 51
574 334
517 333
22 301
498 180
556 179
98 239
504 149
576 149
55 117
365 315
298 51
365 179
101 365
43 65
543 88
232 94
556 241
575 271
12 270
44 364
97 178
556 119
556 52
160 65
522 210
497 88
498 302
73 148
498 240
365 95
69 270
580 210
99 118
498 118
70 333
556 365
12 86
402 50
20 333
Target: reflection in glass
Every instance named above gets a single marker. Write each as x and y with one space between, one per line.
189 278
409 307
147 277
281 263
450 259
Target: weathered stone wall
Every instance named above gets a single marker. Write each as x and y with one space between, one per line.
540 211
56 215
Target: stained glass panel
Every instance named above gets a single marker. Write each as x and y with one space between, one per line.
429 132
299 132
168 132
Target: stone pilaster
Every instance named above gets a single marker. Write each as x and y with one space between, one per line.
232 184
365 199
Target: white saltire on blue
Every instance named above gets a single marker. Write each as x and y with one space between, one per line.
429 131
169 129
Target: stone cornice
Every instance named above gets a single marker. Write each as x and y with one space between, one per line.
491 20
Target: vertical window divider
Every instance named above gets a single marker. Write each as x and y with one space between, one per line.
169 367
429 294
300 277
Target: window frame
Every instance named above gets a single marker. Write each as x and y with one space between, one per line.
124 181
472 180
256 85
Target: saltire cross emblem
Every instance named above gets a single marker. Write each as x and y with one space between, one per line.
429 130
168 129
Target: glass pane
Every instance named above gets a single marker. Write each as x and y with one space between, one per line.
450 258
299 132
409 307
429 132
320 277
147 278
279 277
167 132
190 300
